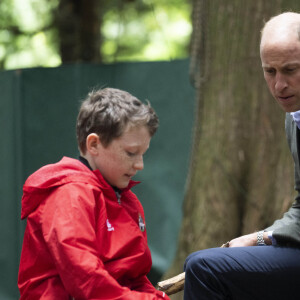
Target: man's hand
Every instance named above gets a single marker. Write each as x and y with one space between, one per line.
244 241
248 240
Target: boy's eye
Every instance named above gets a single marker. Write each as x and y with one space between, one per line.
130 154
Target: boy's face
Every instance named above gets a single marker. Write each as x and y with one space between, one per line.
123 157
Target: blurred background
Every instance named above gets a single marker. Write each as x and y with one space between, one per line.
219 165
49 33
52 53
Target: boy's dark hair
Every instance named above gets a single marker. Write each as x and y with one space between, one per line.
107 112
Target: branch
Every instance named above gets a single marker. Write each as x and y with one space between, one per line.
172 285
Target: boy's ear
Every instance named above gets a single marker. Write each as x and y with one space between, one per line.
92 142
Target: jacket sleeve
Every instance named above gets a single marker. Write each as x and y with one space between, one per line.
287 229
145 286
68 225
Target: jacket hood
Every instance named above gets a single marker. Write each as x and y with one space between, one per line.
50 176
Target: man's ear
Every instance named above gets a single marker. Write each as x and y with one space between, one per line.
92 143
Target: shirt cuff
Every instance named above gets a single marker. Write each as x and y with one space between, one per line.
270 236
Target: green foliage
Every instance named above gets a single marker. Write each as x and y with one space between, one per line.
27 35
132 30
146 30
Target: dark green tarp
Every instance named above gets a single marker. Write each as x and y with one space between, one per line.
38 109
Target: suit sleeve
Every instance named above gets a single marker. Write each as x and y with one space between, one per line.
286 230
68 226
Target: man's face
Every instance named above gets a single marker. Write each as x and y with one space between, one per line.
281 67
123 157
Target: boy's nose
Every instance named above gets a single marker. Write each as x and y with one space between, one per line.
139 164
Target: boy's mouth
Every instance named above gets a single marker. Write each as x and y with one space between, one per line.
129 175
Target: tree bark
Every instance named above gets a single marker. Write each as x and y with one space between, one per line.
241 171
79 24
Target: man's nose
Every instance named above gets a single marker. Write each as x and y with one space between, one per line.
281 82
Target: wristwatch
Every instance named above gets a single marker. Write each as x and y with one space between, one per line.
260 239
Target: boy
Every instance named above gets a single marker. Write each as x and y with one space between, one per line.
85 236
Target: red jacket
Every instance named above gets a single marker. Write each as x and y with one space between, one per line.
80 241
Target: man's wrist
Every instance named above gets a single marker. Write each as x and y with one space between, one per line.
260 239
271 238
264 238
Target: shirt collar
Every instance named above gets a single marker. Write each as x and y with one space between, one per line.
296 117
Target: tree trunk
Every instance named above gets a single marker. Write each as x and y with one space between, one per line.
78 24
241 172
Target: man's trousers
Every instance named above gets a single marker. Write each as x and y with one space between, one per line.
243 273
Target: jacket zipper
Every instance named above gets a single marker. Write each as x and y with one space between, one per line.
118 197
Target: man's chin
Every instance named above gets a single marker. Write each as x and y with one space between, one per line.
289 107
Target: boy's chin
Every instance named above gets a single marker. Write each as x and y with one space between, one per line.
123 184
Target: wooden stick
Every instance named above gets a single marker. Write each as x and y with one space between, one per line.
175 284
172 285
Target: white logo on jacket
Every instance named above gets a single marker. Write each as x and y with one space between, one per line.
141 223
109 227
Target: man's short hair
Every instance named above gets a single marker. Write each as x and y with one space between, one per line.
107 112
291 18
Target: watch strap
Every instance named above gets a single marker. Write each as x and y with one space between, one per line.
260 239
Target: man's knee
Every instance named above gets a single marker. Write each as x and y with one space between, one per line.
205 262
197 264
202 276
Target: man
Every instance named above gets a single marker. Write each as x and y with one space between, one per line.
265 264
